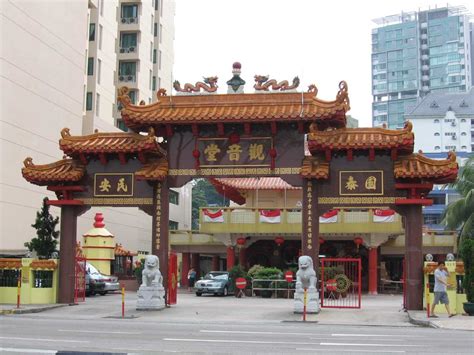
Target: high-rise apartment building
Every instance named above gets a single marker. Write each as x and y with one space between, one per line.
416 53
62 62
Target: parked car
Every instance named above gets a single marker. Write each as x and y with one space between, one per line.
99 283
215 282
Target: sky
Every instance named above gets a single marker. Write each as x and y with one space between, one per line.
322 42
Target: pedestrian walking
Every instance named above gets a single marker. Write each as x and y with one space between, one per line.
441 275
191 279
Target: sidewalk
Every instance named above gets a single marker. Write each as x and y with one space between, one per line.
28 308
380 310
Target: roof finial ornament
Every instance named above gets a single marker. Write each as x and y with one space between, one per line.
408 126
263 83
123 95
151 132
343 94
65 132
96 130
452 155
236 84
313 89
209 86
160 93
28 162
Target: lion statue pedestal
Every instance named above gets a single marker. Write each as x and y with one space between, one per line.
151 294
306 279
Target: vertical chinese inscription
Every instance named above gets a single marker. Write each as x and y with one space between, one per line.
158 216
309 198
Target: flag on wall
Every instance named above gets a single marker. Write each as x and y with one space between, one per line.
213 217
384 216
269 216
329 217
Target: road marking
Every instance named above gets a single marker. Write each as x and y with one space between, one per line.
36 351
237 341
377 335
250 332
43 339
368 344
353 351
95 331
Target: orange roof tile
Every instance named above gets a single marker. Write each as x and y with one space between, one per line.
417 166
121 251
315 168
361 139
228 191
263 183
258 107
157 170
115 142
66 170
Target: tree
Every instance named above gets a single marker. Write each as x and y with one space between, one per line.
460 213
44 244
205 195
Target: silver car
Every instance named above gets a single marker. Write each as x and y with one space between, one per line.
215 282
110 282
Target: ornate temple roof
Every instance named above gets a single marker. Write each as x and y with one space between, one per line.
362 139
114 142
157 170
252 108
315 168
417 166
121 251
66 170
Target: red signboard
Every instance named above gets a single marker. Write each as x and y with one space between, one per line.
331 285
240 283
172 279
289 276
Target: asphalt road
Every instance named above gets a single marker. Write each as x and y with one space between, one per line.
29 334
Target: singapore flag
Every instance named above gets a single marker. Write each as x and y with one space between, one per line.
213 217
269 216
329 217
384 216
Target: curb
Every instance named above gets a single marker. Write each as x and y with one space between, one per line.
421 322
30 310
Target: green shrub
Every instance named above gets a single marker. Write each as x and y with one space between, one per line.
139 265
467 254
268 273
254 269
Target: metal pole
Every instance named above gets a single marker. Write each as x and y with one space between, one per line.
123 301
18 291
428 299
304 305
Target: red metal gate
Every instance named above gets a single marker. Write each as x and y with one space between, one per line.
340 283
172 279
80 280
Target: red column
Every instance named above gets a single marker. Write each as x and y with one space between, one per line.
195 263
185 269
242 257
373 277
230 258
215 263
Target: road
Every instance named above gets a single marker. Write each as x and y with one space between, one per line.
30 334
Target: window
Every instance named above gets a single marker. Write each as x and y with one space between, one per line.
128 41
154 56
174 197
463 120
173 226
130 11
97 105
463 134
153 83
92 32
436 121
90 66
121 125
150 79
450 147
42 279
9 277
449 133
89 101
437 147
156 4
128 69
151 51
155 29
159 59
133 96
99 70
436 134
464 147
100 36
161 33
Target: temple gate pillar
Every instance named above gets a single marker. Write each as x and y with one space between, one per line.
195 257
230 258
413 257
67 254
310 214
242 257
373 275
185 263
160 218
215 263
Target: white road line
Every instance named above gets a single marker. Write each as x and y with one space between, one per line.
250 332
367 344
378 335
43 339
95 331
238 341
23 351
353 351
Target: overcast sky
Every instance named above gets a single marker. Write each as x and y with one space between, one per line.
323 42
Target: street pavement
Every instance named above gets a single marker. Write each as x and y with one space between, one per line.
226 325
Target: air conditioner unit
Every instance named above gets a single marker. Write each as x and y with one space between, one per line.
453 123
131 49
124 20
121 78
130 78
122 50
453 137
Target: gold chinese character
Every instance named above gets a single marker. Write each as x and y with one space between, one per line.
105 185
256 152
351 184
121 185
371 183
234 152
211 151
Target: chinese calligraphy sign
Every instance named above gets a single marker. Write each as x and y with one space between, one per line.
360 183
111 184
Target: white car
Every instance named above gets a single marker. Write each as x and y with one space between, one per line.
111 282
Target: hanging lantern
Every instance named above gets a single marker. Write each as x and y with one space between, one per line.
234 138
321 240
279 241
358 242
196 155
241 242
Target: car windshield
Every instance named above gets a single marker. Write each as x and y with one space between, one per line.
216 276
92 270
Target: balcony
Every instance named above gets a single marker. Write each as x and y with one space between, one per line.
246 220
131 49
128 20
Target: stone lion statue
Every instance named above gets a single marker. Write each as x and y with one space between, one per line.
151 275
306 276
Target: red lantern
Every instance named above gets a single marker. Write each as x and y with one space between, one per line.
234 138
279 240
321 241
196 155
273 154
241 242
358 241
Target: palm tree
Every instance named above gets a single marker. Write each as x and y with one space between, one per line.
460 214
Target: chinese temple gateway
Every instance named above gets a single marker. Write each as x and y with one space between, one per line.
236 135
